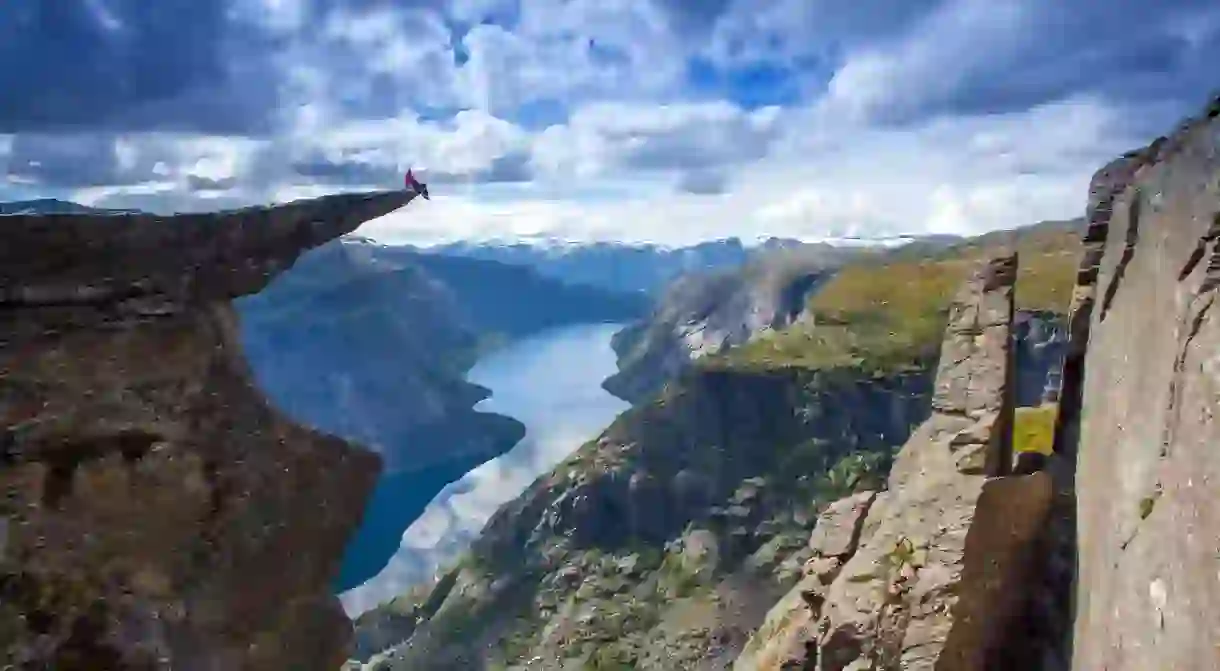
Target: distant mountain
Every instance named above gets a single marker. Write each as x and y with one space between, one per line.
614 266
702 313
706 313
53 206
640 267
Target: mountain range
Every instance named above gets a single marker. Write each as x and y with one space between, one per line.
647 268
53 206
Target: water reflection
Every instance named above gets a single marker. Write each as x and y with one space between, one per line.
552 384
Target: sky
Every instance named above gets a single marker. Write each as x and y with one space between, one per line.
635 120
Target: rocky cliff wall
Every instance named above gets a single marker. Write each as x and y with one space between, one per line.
1100 556
158 513
706 313
1140 391
932 576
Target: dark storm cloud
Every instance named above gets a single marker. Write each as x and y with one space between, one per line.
129 64
1123 50
199 183
698 145
703 182
69 160
513 167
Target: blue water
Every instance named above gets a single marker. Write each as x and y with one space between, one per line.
552 384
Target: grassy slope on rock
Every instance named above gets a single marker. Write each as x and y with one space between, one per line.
888 313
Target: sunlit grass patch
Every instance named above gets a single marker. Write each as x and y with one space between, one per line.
888 314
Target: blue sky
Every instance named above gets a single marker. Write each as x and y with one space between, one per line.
668 120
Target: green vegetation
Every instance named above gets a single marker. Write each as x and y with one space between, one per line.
610 658
1149 502
885 314
1033 429
678 578
857 472
1146 505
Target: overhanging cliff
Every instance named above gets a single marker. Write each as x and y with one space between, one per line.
159 514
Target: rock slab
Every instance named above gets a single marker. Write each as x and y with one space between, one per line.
1148 589
158 513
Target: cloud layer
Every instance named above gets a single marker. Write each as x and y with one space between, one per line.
669 120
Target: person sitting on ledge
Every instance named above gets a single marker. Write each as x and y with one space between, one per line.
412 184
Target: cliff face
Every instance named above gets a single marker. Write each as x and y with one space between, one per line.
1102 555
706 313
1140 392
159 514
933 576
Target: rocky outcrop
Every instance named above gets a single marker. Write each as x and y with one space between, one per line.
700 314
158 513
1138 409
788 635
936 579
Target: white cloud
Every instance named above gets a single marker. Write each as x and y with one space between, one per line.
630 153
825 178
930 64
611 172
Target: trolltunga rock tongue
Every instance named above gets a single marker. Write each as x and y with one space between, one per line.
158 514
85 258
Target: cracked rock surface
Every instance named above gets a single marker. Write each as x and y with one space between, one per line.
1148 472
